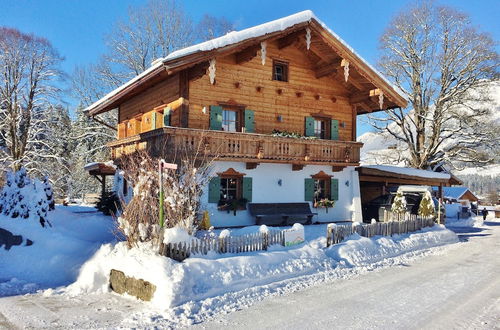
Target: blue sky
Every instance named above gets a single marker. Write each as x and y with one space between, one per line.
77 28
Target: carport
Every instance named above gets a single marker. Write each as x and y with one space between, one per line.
376 180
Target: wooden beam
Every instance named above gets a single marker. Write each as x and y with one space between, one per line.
103 123
247 54
325 70
198 71
251 166
184 95
297 167
290 39
353 123
337 168
362 96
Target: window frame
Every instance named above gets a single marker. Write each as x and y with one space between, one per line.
285 73
228 175
237 121
238 189
322 177
327 121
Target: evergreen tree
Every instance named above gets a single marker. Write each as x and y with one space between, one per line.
426 207
399 204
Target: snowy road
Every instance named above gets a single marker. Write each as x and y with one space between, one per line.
459 289
454 287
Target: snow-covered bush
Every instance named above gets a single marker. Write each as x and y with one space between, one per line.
26 198
399 204
182 191
426 207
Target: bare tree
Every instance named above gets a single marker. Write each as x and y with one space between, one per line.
149 32
211 27
444 64
28 70
183 188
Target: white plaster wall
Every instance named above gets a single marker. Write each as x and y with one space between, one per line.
266 190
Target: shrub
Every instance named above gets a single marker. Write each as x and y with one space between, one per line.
426 207
182 191
22 197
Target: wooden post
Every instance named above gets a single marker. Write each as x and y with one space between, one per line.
328 236
265 241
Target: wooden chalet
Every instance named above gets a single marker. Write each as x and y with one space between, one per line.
243 95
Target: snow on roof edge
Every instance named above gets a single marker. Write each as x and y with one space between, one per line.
409 171
238 36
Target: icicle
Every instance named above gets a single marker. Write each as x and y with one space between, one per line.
345 64
308 38
263 51
381 100
211 71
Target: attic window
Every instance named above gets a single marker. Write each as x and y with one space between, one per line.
280 71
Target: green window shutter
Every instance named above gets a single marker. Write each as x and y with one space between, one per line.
247 189
167 113
249 121
334 130
216 118
309 126
309 190
334 189
214 190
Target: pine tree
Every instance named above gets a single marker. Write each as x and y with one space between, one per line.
399 204
426 207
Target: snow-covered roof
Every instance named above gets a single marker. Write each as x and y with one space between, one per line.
454 192
409 171
239 36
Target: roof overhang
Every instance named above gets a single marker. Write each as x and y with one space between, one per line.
101 169
367 174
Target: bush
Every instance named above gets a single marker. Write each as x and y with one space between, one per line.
22 197
182 191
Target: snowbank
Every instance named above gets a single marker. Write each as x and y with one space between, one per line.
57 253
203 277
360 250
476 221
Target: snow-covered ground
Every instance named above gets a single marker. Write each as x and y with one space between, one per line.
198 289
58 251
453 287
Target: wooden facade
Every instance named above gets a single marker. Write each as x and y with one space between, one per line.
179 99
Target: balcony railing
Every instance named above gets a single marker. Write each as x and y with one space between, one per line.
243 147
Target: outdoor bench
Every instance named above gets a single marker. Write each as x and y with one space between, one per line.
281 213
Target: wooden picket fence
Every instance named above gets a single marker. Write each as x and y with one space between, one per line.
337 233
391 216
229 244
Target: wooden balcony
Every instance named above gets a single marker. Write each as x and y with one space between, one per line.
242 147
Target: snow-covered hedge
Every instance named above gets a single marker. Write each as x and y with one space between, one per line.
23 197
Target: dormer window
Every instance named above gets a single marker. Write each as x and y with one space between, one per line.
280 71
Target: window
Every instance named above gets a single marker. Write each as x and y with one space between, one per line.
322 186
320 130
280 71
321 189
230 121
230 188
